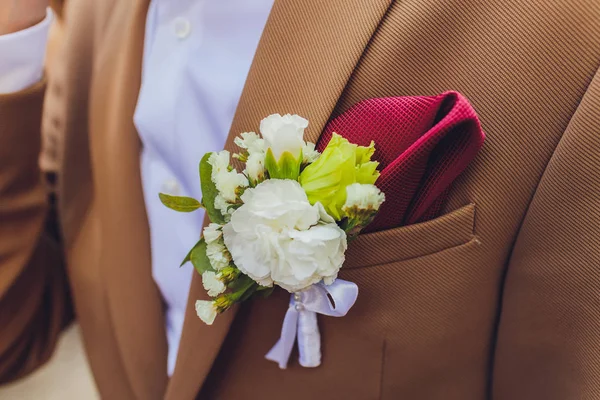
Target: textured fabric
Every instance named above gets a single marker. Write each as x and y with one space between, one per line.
422 145
33 286
548 341
193 73
426 320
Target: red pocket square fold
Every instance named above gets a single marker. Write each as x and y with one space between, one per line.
422 144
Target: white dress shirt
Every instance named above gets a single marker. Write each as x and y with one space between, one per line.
197 54
22 56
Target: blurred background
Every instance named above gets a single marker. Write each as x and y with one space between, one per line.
66 376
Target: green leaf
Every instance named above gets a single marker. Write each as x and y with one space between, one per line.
188 257
179 203
243 288
239 283
265 291
209 191
199 258
248 292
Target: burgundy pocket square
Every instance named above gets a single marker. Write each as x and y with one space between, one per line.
423 143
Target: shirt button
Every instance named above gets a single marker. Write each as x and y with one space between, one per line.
171 186
183 27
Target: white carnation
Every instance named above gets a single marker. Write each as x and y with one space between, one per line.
218 255
363 197
212 284
206 311
278 237
284 133
212 232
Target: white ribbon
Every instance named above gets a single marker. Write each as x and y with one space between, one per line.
301 320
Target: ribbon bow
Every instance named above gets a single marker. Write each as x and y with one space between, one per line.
301 320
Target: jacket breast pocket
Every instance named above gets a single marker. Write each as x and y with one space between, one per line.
421 326
393 245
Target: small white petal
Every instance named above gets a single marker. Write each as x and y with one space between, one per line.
284 133
212 232
364 197
227 183
323 213
217 255
309 153
329 279
222 205
219 162
212 284
206 311
255 166
251 142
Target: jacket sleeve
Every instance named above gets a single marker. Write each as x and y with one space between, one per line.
34 302
548 344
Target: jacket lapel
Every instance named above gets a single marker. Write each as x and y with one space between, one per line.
306 56
134 302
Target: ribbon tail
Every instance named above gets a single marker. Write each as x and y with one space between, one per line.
309 340
301 321
280 353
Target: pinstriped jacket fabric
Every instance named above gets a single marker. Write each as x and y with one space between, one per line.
497 298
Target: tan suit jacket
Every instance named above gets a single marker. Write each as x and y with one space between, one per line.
498 298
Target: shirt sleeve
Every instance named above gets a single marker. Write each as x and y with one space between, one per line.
22 56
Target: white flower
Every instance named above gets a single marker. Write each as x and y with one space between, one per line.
278 237
219 161
251 142
225 180
284 133
212 232
363 197
222 205
227 183
255 166
217 254
207 311
212 284
309 153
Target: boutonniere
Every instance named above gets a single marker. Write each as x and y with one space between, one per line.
284 220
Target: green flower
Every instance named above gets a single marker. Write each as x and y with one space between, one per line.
341 164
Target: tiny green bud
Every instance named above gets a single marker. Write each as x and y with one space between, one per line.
243 157
223 302
229 274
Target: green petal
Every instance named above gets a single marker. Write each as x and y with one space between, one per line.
367 172
271 164
287 167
